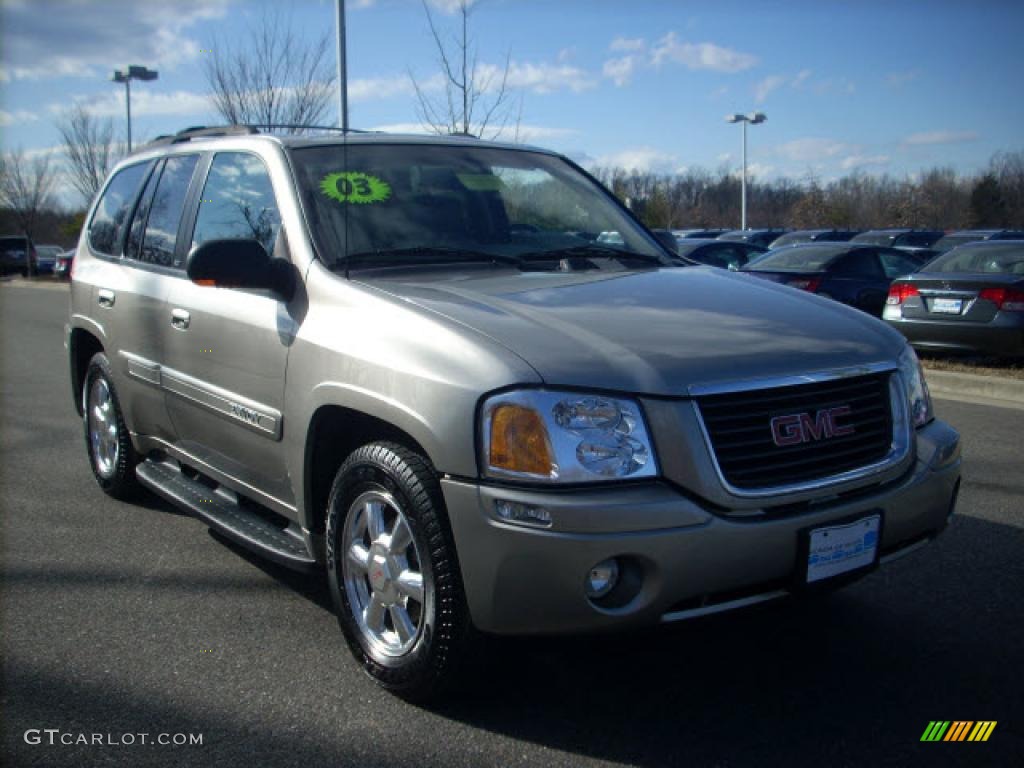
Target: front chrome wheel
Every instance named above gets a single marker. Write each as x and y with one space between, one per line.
383 576
103 428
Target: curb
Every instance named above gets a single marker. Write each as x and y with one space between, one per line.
955 384
20 282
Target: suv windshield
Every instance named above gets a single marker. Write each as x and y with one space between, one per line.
379 204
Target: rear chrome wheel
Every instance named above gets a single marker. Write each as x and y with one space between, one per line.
112 456
384 582
102 427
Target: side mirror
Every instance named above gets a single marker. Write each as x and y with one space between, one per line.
242 263
667 239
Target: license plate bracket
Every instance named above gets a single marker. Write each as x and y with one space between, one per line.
839 550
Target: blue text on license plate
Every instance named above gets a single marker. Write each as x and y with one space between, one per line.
840 548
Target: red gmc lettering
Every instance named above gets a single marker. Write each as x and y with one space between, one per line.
799 428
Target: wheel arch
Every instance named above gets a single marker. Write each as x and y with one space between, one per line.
334 432
82 345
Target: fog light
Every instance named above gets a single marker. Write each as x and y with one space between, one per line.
514 512
602 578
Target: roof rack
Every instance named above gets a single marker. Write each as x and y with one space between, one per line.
206 132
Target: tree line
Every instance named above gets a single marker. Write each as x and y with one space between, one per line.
937 198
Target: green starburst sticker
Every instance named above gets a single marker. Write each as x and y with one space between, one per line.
355 187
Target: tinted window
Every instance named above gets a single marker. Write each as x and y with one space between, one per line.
108 222
919 239
896 264
1006 258
165 211
798 258
134 244
237 202
859 263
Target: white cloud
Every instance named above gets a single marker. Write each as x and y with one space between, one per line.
360 4
640 159
51 38
627 44
940 137
859 161
899 79
766 86
538 77
620 70
144 102
368 88
451 6
706 56
807 150
526 132
18 116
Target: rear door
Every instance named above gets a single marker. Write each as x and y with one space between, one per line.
126 301
858 279
227 348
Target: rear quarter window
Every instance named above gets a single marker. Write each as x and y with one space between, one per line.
115 205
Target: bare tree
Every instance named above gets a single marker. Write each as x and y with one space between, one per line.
476 97
90 149
25 188
271 77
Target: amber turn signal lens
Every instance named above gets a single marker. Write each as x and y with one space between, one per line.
519 441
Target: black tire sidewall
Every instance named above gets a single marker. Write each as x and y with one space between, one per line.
385 467
122 483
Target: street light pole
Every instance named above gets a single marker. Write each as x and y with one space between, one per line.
755 118
342 66
126 76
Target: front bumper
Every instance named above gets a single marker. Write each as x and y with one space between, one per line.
689 560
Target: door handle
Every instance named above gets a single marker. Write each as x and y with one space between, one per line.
180 319
105 297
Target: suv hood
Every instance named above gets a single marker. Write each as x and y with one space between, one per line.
651 332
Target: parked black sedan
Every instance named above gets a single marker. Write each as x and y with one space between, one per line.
858 275
968 300
719 253
756 236
899 237
964 236
814 236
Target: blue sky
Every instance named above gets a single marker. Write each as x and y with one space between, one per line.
879 86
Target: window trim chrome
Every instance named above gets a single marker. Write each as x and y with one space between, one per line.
899 449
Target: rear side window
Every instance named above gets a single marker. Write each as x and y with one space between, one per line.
859 263
896 265
165 211
109 220
134 245
237 202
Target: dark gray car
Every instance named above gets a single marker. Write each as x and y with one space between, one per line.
968 300
407 362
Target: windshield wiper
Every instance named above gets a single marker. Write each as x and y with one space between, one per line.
425 254
591 250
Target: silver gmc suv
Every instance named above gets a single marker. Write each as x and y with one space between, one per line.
410 362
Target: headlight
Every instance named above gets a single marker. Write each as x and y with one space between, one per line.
919 401
564 437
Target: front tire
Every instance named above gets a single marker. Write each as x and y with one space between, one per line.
393 573
112 457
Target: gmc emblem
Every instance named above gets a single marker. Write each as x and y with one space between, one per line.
799 428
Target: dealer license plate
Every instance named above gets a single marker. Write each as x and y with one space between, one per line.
947 306
842 548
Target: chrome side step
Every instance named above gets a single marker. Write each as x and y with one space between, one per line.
220 511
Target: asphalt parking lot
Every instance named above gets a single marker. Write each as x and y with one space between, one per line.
129 619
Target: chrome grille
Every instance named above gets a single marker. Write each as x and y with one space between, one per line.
739 427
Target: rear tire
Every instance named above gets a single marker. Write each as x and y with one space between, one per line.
112 457
393 572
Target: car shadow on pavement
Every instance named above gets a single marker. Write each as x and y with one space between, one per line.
860 673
